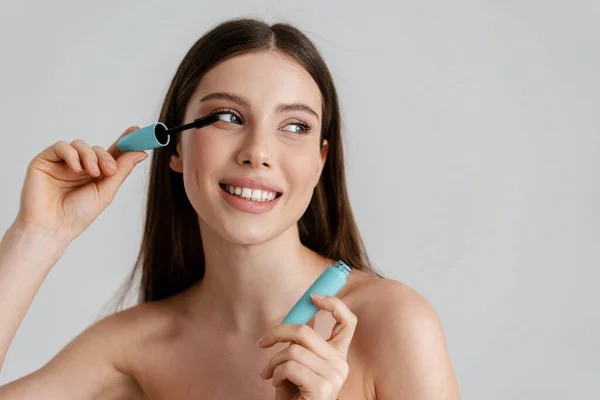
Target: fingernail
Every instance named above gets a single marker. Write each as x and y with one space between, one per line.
111 164
95 167
78 165
260 341
317 296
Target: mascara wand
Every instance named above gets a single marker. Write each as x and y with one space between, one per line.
198 123
158 135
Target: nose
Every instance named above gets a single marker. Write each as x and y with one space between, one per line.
255 150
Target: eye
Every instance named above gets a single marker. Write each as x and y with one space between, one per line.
298 127
229 116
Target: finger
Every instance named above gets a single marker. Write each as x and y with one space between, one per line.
302 335
107 163
296 373
126 162
346 322
129 158
306 380
62 151
108 186
311 323
301 355
113 150
87 156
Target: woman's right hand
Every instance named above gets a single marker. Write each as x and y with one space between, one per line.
68 185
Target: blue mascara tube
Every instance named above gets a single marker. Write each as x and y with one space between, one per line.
329 283
158 135
147 138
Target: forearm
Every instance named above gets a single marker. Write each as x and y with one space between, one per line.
26 256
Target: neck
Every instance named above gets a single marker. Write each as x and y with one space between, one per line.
250 288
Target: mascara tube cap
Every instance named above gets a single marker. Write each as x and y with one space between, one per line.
147 138
329 283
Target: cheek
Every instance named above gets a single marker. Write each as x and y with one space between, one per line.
203 156
202 153
303 169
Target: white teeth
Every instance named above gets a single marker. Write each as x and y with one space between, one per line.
246 193
256 195
251 194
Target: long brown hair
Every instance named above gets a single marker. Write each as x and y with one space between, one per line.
171 256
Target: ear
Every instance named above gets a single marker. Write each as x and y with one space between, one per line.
319 170
324 151
176 163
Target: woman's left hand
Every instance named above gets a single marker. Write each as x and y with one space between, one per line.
311 368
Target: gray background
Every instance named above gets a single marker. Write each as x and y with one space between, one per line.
473 142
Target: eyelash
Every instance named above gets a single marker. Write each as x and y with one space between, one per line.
307 128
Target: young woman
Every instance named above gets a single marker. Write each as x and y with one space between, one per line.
242 216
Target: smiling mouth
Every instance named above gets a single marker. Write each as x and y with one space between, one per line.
251 194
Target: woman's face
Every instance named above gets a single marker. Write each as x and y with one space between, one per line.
250 176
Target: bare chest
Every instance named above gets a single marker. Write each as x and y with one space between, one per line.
212 367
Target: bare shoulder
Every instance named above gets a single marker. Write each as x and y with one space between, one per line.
385 305
119 338
100 362
153 318
400 340
371 296
134 329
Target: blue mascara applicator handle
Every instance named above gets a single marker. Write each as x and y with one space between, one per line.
147 138
329 283
158 135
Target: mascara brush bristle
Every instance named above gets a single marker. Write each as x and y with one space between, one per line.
198 123
205 121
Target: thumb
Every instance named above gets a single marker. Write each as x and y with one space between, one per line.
108 185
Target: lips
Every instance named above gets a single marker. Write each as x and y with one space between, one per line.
249 205
252 183
250 194
254 195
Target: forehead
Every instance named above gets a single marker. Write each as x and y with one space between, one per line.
265 78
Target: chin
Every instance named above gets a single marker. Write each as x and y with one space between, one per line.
248 235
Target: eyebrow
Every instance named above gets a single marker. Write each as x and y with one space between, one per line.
234 98
241 101
297 107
